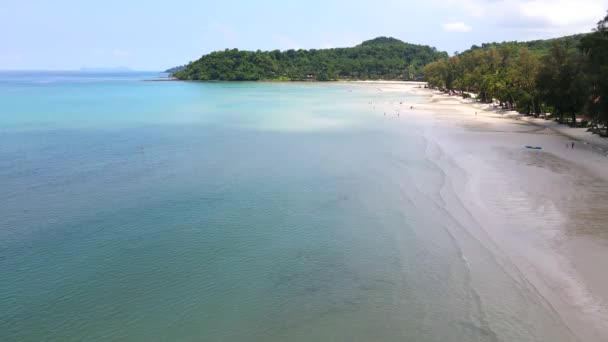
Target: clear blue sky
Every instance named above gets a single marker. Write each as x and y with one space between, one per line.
155 35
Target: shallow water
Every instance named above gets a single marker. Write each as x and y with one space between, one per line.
212 211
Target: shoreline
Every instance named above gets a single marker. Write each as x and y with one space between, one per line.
541 211
171 78
574 133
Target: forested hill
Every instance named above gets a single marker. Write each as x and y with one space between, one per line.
538 47
380 58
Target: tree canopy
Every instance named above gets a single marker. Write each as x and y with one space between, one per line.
595 48
537 47
380 58
564 76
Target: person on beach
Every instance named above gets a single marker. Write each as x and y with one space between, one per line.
573 145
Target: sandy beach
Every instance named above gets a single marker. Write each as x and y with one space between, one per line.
542 213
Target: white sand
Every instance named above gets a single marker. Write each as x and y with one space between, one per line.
544 213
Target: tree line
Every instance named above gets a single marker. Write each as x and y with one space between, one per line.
566 77
380 58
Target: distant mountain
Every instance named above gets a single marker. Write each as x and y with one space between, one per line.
380 58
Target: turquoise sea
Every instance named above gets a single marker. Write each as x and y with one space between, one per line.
179 211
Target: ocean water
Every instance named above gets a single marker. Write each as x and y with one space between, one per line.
178 211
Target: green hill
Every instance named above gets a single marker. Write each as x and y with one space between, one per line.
380 58
538 47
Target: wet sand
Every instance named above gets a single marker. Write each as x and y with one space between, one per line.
544 213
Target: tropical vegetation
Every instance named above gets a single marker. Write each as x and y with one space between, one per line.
567 77
380 58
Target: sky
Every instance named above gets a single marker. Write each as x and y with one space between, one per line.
156 35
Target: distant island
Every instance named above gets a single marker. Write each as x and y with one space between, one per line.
106 69
380 58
